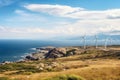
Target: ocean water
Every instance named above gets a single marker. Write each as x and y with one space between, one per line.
12 50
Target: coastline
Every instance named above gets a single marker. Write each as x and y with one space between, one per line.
42 52
72 60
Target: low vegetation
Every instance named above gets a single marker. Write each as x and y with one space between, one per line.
90 65
18 67
4 78
66 77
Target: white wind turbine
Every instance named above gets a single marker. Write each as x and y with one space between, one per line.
105 44
108 39
96 41
84 41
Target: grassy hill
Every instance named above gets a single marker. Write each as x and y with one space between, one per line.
93 64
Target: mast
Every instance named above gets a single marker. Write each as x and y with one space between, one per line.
96 41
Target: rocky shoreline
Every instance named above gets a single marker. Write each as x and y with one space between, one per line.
63 59
49 52
54 52
58 52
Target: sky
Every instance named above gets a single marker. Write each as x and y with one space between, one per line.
58 19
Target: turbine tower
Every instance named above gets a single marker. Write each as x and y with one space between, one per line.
84 41
105 44
110 35
108 39
96 41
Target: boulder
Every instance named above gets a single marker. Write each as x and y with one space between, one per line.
5 62
31 58
74 51
62 50
41 65
55 53
54 64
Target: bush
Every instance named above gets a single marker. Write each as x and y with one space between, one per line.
23 73
4 78
18 66
5 67
66 77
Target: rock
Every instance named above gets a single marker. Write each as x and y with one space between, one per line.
54 64
77 52
44 51
62 50
38 55
49 68
21 60
31 58
6 62
41 65
64 69
69 54
41 69
55 53
74 51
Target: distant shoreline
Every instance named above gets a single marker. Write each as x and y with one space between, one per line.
87 47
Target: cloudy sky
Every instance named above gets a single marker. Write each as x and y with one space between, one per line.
50 19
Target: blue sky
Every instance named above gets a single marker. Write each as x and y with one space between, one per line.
50 19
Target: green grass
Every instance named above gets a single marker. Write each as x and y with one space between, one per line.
66 77
4 78
18 67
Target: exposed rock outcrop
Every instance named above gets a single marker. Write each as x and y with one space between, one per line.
56 53
53 52
31 58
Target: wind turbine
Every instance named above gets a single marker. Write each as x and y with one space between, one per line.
105 44
84 41
96 41
108 39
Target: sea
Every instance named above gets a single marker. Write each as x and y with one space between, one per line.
14 50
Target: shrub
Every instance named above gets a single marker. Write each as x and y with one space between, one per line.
23 73
5 67
18 66
4 78
66 77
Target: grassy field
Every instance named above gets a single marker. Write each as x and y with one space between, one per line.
92 65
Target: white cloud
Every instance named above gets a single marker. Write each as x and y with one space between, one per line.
22 13
60 10
79 28
24 17
88 22
74 12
